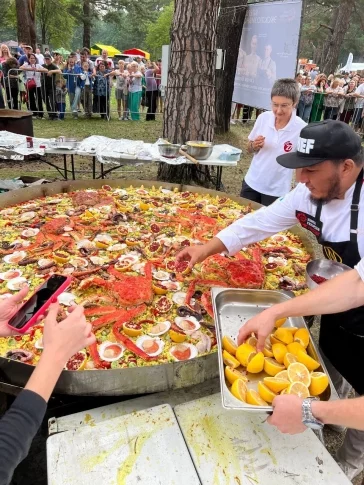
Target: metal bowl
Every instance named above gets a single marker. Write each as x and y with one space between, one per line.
323 267
169 150
200 150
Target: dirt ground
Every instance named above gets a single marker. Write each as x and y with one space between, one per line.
35 465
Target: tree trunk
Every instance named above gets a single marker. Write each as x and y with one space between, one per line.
189 112
340 26
25 16
229 29
86 23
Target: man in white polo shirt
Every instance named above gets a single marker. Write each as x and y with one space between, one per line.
275 132
330 204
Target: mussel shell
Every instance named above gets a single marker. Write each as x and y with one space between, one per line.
185 311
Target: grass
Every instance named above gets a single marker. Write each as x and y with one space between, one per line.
135 130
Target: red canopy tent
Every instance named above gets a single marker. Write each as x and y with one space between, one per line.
137 52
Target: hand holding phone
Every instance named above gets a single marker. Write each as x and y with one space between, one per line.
37 305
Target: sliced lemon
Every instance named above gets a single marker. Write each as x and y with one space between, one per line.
295 347
302 336
283 335
319 383
280 322
272 367
282 375
276 384
265 393
267 351
256 363
143 206
239 390
292 330
285 391
243 353
232 375
297 372
230 360
252 341
229 345
289 359
299 389
279 351
158 290
253 398
177 337
308 361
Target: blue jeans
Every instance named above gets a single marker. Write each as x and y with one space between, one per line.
61 108
304 111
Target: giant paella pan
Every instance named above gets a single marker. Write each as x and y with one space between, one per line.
152 318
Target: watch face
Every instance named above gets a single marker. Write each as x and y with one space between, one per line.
313 425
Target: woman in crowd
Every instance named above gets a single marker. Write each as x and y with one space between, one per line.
4 53
33 85
61 341
11 82
349 103
143 101
71 74
359 105
308 90
101 102
318 100
121 76
333 96
275 132
86 89
135 91
330 79
151 92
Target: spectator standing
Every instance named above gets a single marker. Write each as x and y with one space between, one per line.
78 56
141 64
101 101
84 57
49 84
135 91
71 74
151 92
33 85
40 56
24 58
308 90
11 82
86 89
122 77
318 100
333 97
349 103
158 76
358 107
19 50
5 53
104 57
61 92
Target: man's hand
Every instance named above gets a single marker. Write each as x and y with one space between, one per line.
287 414
8 308
64 339
192 254
262 325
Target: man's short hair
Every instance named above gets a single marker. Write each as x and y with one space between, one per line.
288 88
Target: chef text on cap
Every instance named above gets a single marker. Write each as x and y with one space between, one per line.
305 145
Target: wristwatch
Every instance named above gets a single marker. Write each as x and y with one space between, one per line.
308 419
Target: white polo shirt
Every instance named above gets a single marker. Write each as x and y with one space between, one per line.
281 215
265 175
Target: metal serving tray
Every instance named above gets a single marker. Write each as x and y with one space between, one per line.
232 309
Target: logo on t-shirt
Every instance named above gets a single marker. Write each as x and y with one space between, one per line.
288 146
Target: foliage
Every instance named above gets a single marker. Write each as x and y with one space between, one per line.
8 21
158 33
55 22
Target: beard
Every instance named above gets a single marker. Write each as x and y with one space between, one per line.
332 193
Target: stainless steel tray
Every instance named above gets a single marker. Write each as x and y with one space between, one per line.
232 309
65 145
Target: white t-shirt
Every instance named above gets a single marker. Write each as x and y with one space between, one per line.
110 63
359 102
265 175
281 215
40 58
360 268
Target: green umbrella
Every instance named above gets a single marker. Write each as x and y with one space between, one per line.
62 51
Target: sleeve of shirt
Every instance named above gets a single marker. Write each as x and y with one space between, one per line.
259 225
255 131
17 430
360 268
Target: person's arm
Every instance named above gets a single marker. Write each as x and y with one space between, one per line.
342 293
287 414
256 226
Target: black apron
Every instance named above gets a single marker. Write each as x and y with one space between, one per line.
342 334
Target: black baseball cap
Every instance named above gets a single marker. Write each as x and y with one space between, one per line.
318 142
47 56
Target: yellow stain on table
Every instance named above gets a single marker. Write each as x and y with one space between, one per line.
127 466
270 453
89 420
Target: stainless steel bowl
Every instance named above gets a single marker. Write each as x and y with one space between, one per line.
200 150
323 267
169 150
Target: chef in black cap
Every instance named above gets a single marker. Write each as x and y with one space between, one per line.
328 202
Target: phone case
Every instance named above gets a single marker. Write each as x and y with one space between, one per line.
43 309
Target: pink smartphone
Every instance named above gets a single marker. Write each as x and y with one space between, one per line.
36 306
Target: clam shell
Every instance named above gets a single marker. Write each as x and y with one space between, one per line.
194 351
117 247
185 324
79 262
161 275
15 257
143 338
103 347
9 275
179 298
30 232
17 284
27 216
163 328
66 298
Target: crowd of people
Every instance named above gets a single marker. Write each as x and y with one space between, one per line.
85 86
